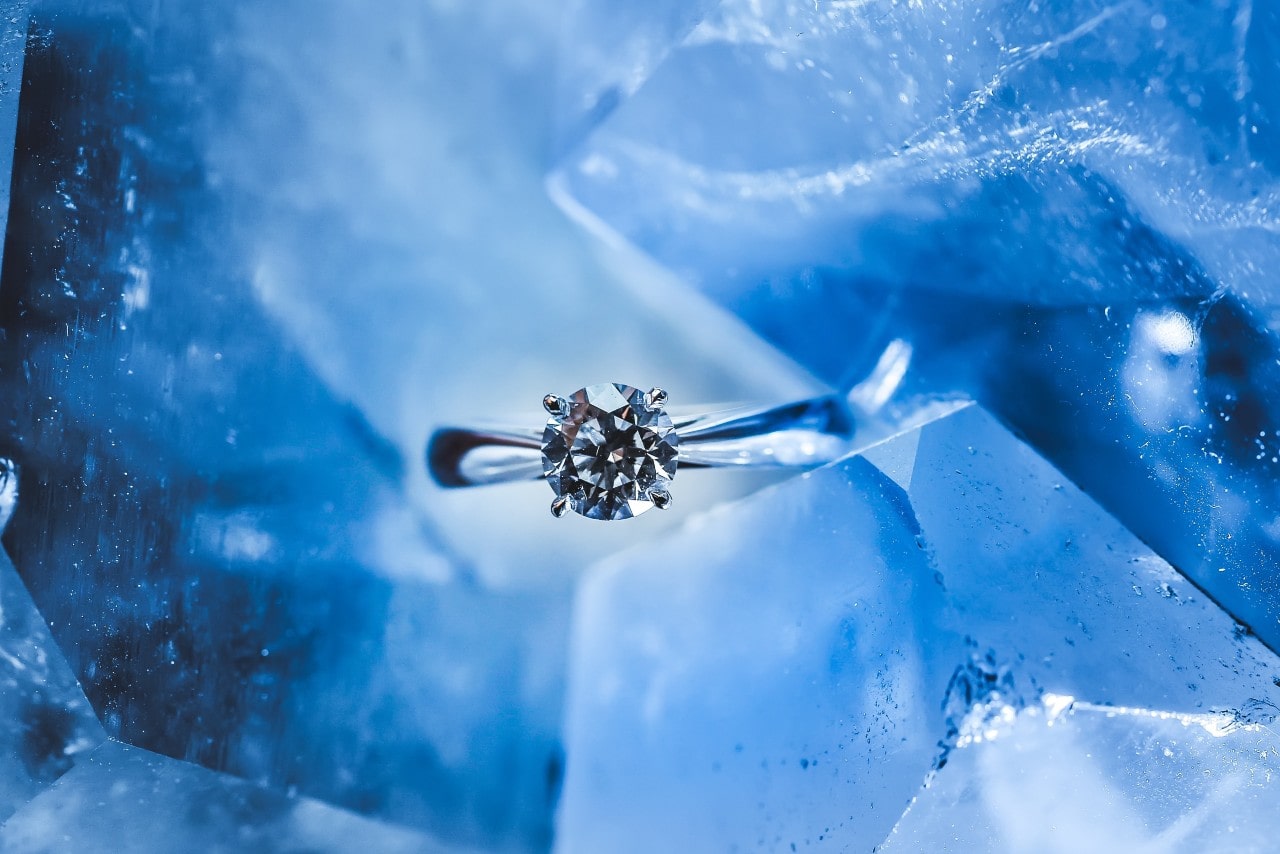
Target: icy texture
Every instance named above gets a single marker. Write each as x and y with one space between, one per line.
785 134
1165 413
607 51
246 276
745 687
123 799
1048 190
259 252
406 243
788 672
45 721
1066 598
1099 779
222 546
13 40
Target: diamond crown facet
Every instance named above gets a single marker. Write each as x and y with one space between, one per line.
609 451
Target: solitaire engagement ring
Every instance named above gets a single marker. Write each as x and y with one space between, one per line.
610 451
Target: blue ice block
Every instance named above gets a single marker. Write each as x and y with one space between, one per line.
761 680
783 135
252 272
789 669
46 724
222 544
1090 778
1067 598
125 799
1062 212
245 278
607 51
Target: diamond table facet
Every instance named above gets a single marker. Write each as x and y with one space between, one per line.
609 451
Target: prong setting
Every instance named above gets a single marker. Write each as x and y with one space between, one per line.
560 506
656 398
554 404
660 498
606 449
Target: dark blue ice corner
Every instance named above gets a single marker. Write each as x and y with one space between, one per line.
1064 211
799 665
46 724
222 548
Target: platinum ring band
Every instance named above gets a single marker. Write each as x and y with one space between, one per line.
802 434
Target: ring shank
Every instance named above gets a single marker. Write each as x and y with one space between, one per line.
803 434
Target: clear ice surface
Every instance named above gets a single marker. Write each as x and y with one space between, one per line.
751 685
1092 778
785 135
607 51
125 799
46 724
1077 197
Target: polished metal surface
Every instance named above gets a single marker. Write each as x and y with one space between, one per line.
801 434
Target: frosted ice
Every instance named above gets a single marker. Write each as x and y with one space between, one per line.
123 799
46 724
221 542
407 245
784 135
1032 187
247 275
742 686
608 50
791 666
1066 597
1093 778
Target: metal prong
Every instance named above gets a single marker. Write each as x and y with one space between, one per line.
656 398
553 403
660 498
560 506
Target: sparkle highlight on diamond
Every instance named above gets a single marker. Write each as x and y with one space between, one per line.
609 451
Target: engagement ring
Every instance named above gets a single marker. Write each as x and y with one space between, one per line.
610 451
